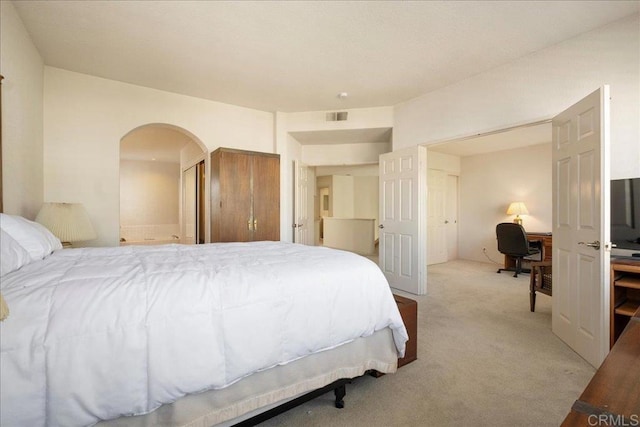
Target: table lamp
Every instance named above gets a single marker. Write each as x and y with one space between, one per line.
69 222
517 209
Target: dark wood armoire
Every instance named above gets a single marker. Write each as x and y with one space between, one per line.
245 196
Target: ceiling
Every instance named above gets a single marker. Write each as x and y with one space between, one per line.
297 56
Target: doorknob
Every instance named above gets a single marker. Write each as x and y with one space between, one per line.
595 245
446 221
381 226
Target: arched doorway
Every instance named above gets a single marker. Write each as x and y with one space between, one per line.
162 191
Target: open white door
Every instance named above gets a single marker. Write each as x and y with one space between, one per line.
402 226
581 226
302 229
436 217
452 217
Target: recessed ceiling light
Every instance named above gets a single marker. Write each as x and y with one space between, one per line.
343 95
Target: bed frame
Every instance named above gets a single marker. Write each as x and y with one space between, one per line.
268 393
339 390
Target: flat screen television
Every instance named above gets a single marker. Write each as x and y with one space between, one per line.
625 215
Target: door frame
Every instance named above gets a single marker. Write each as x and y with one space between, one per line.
605 290
201 196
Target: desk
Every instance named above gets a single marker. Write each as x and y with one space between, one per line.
614 390
547 243
625 295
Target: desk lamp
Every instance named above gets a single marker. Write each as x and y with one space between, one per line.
517 209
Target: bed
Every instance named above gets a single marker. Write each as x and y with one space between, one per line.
182 335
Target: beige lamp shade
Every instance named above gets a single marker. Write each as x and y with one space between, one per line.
69 222
517 209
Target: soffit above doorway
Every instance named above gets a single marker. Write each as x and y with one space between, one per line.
510 139
343 136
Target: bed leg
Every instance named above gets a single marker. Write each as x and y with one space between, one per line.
340 392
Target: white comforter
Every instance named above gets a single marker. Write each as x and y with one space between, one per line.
97 333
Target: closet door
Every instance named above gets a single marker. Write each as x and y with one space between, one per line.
266 197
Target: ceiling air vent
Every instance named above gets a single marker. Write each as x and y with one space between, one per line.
337 116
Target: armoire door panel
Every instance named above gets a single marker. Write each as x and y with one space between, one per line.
266 197
235 208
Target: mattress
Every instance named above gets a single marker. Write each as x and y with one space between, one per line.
98 333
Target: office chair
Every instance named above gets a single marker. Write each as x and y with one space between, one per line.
541 281
512 241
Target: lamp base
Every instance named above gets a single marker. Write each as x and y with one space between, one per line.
518 220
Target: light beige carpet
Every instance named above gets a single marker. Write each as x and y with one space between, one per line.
483 360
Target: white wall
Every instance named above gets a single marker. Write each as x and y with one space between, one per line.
22 134
353 170
489 182
190 155
85 117
443 162
341 196
149 192
344 154
366 199
349 234
539 86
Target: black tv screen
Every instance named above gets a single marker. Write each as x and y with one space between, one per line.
625 213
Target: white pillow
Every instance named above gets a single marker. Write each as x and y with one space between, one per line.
33 237
51 239
13 255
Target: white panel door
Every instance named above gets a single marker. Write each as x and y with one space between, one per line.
436 217
402 219
302 230
452 217
581 226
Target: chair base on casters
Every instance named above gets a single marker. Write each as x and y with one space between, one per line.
517 270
